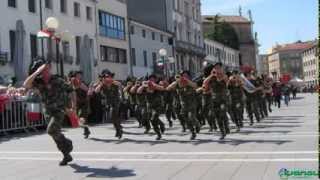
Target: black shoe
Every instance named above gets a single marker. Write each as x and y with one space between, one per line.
86 132
170 123
210 129
193 136
66 159
251 123
162 128
158 137
120 134
198 129
238 129
222 137
183 129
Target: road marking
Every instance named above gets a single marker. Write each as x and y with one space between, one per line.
162 153
162 160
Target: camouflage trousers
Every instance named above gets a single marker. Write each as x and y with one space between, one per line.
220 112
112 112
207 112
157 125
54 130
252 109
188 114
263 107
145 117
236 112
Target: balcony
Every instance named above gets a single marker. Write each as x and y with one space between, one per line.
190 48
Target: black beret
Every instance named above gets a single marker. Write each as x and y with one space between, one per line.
106 72
35 64
217 64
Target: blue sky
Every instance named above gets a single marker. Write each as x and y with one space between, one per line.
276 21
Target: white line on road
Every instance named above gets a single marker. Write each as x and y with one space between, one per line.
162 153
162 160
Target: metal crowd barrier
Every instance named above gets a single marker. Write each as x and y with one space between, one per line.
19 114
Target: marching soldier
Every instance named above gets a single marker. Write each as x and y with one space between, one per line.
142 104
154 104
251 102
167 101
110 92
82 101
186 91
236 93
217 84
55 93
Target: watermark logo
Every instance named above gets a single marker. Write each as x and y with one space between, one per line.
297 173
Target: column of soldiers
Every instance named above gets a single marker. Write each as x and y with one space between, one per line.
212 98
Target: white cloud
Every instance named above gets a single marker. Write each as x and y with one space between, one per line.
226 6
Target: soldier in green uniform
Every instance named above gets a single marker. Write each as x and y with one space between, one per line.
186 91
55 93
251 102
142 104
167 101
268 92
82 100
217 84
110 91
154 104
236 93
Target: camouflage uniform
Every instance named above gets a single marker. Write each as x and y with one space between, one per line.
177 110
188 109
219 97
142 105
111 99
154 109
83 109
207 111
236 103
55 97
168 105
252 105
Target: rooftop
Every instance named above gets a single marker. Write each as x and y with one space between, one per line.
229 19
294 46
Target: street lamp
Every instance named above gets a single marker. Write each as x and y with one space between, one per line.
163 53
52 23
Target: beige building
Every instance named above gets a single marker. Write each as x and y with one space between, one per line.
263 63
112 37
310 63
286 60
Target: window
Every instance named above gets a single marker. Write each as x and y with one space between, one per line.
154 58
76 7
89 13
143 33
48 4
133 56
63 6
145 58
33 46
78 44
161 38
114 55
122 56
132 29
12 36
12 3
111 26
153 36
32 6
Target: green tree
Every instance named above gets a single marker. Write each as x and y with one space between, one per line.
222 32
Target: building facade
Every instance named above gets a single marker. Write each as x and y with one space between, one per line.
217 52
113 37
287 60
180 17
263 63
76 16
244 29
310 61
145 43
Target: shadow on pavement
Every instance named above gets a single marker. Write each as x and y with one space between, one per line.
112 172
227 140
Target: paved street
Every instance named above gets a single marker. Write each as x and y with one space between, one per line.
286 139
